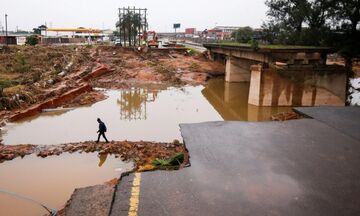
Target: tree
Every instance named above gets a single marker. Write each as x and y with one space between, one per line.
316 22
290 15
346 36
39 29
131 25
32 40
243 35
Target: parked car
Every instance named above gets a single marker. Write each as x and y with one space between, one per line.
117 42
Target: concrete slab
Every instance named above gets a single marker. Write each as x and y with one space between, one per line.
301 167
91 201
344 119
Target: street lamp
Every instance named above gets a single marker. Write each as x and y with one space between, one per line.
6 31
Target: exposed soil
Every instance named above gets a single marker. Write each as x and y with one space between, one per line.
157 66
87 98
140 153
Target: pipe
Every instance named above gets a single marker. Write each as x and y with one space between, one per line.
53 212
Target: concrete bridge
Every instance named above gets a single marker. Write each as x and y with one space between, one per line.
283 76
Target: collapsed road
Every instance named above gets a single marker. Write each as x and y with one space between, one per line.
299 167
242 168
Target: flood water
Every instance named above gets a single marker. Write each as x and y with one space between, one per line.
52 180
151 113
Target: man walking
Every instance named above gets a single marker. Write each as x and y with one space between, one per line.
102 130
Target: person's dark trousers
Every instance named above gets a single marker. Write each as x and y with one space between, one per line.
103 134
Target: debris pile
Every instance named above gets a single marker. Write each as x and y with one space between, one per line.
9 152
285 116
139 152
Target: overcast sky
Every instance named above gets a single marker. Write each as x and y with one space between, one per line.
27 14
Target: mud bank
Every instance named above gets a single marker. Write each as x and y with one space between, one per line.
140 153
51 103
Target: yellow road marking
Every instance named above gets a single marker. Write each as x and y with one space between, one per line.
135 193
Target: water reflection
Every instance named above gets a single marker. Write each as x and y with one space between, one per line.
102 159
133 102
231 101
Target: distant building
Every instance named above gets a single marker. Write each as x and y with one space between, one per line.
75 35
229 29
189 32
224 32
72 32
10 40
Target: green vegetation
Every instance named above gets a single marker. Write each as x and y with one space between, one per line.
243 35
5 83
267 46
39 29
329 23
32 40
130 24
171 163
191 51
21 64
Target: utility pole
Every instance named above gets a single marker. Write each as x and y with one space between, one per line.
6 30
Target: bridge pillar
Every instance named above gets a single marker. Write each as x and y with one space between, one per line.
237 70
297 86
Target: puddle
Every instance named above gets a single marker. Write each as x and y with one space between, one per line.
148 113
52 180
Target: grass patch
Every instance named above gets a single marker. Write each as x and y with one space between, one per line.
171 163
21 64
191 51
272 46
4 83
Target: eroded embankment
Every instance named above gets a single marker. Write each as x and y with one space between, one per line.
63 99
141 153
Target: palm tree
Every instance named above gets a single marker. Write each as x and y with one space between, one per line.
131 24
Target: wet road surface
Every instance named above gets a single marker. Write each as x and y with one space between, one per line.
300 167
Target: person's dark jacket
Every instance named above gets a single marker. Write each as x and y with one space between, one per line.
102 127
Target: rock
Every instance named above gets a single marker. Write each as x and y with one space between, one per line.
50 81
63 73
176 142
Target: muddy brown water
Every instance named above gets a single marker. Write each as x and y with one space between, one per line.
150 113
52 180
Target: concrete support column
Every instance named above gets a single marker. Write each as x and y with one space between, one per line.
300 87
237 70
255 86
